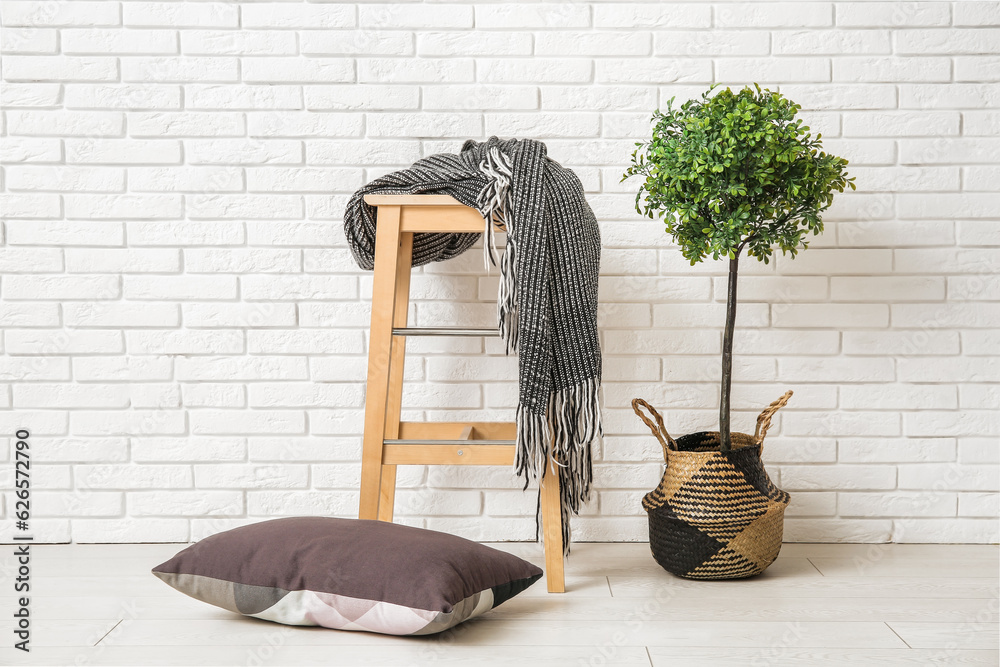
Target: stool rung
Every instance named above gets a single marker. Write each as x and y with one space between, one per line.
459 443
444 331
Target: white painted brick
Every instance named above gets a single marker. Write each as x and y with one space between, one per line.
132 96
152 396
360 42
939 422
309 395
172 233
424 125
239 369
121 314
771 69
186 124
953 477
774 15
130 476
222 422
184 342
349 96
249 476
115 40
29 314
836 369
891 69
547 15
949 369
883 450
70 396
122 369
96 503
933 531
29 287
242 42
812 504
898 397
985 505
423 70
900 123
646 70
31 94
629 43
415 16
896 504
296 70
976 68
947 96
30 40
283 15
133 422
241 207
185 503
185 179
27 149
202 96
885 288
842 95
968 40
77 13
980 342
72 179
123 206
840 476
202 15
479 96
979 123
892 14
122 151
30 260
155 288
467 44
130 530
829 42
214 395
535 70
182 69
902 343
188 449
839 315
977 13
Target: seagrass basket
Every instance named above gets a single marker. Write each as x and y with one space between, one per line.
715 514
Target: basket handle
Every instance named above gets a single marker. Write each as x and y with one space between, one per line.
764 420
658 429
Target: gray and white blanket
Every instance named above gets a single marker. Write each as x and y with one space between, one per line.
547 305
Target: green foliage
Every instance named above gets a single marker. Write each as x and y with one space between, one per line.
735 170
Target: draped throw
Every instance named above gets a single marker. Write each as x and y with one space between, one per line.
547 301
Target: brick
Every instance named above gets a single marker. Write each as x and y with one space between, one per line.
130 530
948 95
180 69
936 316
775 15
206 96
480 96
30 40
885 288
836 369
132 422
829 42
130 96
66 179
892 14
184 342
978 450
953 531
236 369
840 476
892 233
188 449
845 316
30 150
185 233
978 397
30 260
310 395
185 503
242 42
29 314
630 43
121 314
896 504
157 288
898 397
62 288
299 503
883 450
185 179
652 70
812 504
424 125
900 123
423 70
214 395
438 503
235 260
954 477
93 503
122 151
976 41
130 476
980 342
555 15
122 368
534 70
241 207
239 316
202 15
373 97
841 96
123 206
976 68
901 343
77 13
662 342
76 123
31 94
949 369
940 422
249 476
958 260
977 13
891 69
770 69
296 70
477 43
985 505
186 124
70 396
116 40
224 422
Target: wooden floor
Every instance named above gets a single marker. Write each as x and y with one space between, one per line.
817 605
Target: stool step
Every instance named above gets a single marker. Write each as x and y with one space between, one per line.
449 442
448 453
444 331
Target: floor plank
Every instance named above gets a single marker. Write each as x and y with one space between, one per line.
811 657
908 567
972 634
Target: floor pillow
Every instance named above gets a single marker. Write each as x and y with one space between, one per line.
348 574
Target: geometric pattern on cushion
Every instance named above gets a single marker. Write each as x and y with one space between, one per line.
348 574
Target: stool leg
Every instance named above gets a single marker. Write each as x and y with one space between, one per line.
398 357
552 533
387 248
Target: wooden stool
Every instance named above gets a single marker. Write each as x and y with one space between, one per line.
388 442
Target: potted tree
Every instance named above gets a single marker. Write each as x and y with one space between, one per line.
727 172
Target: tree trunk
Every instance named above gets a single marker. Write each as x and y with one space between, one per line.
727 356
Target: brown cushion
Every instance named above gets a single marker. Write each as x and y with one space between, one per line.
348 574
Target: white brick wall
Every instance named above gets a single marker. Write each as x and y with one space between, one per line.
184 331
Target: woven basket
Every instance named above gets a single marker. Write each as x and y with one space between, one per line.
714 515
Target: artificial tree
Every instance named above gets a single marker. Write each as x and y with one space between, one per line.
731 171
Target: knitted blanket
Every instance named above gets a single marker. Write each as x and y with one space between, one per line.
547 302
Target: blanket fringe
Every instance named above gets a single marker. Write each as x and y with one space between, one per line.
560 443
494 205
